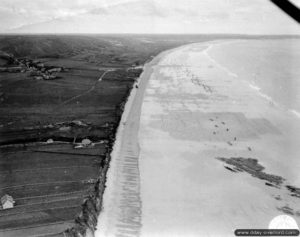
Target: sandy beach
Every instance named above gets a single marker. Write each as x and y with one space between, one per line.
202 153
122 205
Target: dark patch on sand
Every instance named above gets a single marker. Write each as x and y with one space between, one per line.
278 198
295 192
286 209
251 166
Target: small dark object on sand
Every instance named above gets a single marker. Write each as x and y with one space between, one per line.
286 210
136 86
211 119
295 191
223 123
227 129
216 126
249 148
269 184
234 138
214 133
232 170
229 143
278 198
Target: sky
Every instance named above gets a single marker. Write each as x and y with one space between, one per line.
145 16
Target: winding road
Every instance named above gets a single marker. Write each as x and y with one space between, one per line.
88 91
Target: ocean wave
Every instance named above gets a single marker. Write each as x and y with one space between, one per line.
295 112
254 87
205 52
258 89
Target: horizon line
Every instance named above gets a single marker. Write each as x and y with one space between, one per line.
159 34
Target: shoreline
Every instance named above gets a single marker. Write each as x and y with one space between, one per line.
129 123
52 181
114 172
123 208
210 147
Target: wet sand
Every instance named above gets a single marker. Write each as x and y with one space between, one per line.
122 206
195 116
194 111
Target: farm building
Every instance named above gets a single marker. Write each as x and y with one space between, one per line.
86 142
50 140
7 201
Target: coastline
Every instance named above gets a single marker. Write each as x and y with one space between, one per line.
189 97
129 167
126 139
108 219
209 134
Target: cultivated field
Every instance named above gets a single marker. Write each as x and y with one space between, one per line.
63 89
56 187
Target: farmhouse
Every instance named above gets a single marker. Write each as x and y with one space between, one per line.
55 70
50 140
7 202
86 142
38 78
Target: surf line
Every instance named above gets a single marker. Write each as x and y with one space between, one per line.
205 52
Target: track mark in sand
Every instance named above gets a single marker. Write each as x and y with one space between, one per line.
130 205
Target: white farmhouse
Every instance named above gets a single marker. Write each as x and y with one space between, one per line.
7 202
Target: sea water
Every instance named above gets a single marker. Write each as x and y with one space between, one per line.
271 67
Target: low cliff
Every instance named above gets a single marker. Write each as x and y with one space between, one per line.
86 221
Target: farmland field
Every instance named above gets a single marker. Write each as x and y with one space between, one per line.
55 91
57 188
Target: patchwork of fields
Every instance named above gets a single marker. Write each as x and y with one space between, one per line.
58 188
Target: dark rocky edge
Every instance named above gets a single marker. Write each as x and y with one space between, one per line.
87 219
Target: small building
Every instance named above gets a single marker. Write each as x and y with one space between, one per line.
40 65
58 69
49 141
79 123
46 77
86 142
7 202
51 77
65 129
38 78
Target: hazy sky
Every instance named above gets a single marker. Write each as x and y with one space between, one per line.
145 16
